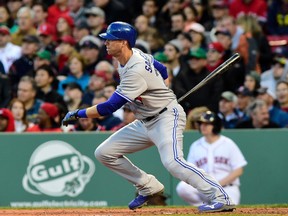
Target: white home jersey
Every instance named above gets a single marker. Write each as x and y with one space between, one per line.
218 159
9 54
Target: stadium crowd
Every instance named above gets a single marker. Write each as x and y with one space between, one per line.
53 61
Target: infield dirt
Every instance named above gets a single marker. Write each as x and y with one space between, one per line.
144 211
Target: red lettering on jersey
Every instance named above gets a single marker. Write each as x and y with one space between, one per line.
221 160
201 162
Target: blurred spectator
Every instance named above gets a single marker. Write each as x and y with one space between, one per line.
227 110
242 43
244 98
172 51
40 13
8 51
276 115
44 78
186 41
234 77
277 18
73 95
25 64
77 73
5 91
150 9
26 25
215 55
96 20
219 9
280 52
64 51
96 86
224 37
193 117
128 115
255 35
203 12
258 111
208 95
64 26
46 119
6 19
60 7
90 47
28 3
256 7
197 33
143 46
282 94
106 123
108 70
86 124
47 36
155 40
77 10
109 89
171 7
217 155
44 57
177 25
142 26
252 82
6 121
80 30
26 93
114 10
190 14
62 110
277 72
17 108
14 6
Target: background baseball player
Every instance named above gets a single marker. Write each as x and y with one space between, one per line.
160 121
219 156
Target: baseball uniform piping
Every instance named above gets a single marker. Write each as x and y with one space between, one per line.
175 153
126 98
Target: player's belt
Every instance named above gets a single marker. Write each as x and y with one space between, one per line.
152 117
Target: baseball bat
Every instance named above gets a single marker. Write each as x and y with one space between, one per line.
219 70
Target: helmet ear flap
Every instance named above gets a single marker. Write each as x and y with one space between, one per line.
217 125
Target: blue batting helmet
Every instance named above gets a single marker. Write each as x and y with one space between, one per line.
120 31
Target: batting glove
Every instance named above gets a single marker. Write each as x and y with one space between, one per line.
70 117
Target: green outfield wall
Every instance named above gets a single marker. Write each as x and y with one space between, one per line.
61 170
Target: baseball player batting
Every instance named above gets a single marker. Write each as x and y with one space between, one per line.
160 121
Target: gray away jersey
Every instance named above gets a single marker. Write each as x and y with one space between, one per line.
143 86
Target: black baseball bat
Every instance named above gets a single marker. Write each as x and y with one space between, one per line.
219 70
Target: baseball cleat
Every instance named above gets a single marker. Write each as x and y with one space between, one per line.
141 200
216 207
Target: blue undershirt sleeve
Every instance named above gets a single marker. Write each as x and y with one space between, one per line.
161 68
111 105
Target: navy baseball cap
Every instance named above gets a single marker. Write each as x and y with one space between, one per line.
72 85
242 90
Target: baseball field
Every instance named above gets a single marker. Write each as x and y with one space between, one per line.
267 210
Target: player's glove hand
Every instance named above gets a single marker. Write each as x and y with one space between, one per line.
70 117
